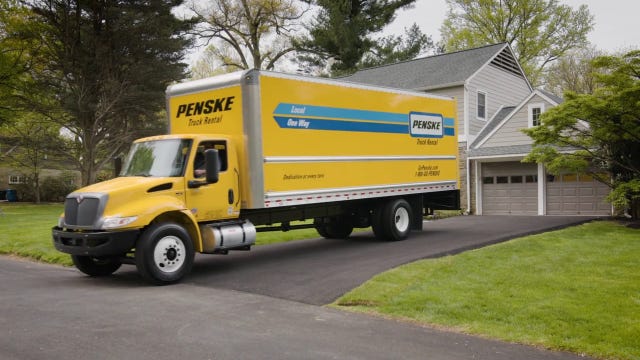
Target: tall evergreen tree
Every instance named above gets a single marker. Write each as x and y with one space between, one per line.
344 31
107 65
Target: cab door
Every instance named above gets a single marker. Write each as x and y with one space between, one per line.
217 201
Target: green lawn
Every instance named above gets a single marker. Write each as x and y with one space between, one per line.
576 289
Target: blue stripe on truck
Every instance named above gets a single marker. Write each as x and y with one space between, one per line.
309 117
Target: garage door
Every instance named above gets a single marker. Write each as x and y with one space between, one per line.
509 188
572 194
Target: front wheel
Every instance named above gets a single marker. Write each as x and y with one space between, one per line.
164 253
96 266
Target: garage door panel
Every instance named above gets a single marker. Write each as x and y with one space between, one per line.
577 195
515 197
586 191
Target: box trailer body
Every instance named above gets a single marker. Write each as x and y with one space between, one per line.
277 148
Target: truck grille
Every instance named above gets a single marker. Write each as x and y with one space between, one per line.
81 211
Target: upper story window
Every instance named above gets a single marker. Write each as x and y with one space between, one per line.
535 110
482 105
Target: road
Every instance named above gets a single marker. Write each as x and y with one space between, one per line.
260 304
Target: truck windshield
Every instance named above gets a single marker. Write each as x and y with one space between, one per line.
159 158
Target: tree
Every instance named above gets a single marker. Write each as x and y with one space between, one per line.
601 129
538 31
572 72
247 34
343 30
104 71
392 49
33 139
18 47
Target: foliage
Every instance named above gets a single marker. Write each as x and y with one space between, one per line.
246 34
392 49
105 66
34 140
575 289
572 72
18 47
343 33
56 188
601 129
539 31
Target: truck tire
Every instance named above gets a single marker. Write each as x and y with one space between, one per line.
334 228
392 220
96 266
164 253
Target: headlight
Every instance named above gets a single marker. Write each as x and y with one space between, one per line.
117 222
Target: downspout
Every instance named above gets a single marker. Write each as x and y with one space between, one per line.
466 138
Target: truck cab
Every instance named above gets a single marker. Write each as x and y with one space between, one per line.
155 213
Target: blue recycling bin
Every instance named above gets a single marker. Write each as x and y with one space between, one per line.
11 195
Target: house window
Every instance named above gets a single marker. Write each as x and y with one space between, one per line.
16 179
482 105
487 180
535 110
516 179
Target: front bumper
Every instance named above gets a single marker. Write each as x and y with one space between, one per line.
94 243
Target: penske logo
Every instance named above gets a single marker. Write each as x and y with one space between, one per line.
426 125
205 107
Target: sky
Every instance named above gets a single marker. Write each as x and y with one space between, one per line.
617 22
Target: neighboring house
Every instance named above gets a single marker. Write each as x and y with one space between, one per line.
495 101
14 178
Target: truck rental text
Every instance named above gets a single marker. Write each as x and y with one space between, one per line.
254 151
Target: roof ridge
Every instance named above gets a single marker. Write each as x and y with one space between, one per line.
423 58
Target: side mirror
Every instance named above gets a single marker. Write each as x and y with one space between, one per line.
212 165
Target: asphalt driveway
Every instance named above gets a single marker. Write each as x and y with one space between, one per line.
318 271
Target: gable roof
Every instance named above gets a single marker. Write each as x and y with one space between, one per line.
505 113
440 70
500 115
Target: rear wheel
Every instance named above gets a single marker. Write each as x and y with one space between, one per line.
164 253
334 227
392 220
96 266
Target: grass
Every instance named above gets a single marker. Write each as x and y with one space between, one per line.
26 232
576 289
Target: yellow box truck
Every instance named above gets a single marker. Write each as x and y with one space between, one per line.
255 151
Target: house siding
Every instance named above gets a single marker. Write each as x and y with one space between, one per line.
510 133
456 92
501 88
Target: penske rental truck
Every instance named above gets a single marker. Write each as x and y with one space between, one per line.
258 151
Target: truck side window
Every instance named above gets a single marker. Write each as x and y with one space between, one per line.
221 146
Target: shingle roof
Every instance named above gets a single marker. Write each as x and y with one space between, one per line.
429 72
515 150
557 99
497 119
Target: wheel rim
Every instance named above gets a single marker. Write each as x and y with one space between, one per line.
169 254
402 219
